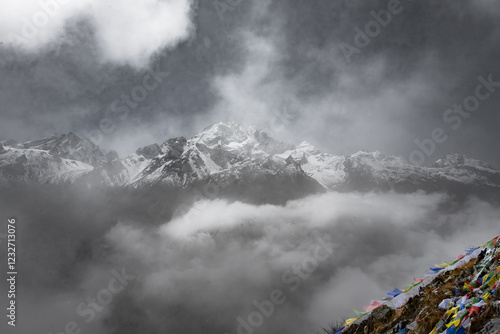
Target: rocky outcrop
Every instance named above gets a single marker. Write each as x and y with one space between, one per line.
462 296
150 151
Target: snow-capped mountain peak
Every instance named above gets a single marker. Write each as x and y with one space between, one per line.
221 151
49 160
70 146
460 160
234 137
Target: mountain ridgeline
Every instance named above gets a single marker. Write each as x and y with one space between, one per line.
228 160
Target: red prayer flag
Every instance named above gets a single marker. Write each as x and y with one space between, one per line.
373 305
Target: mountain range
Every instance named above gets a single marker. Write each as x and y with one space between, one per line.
230 155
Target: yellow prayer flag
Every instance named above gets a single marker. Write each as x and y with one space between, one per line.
350 321
455 322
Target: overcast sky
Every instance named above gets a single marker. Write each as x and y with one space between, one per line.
292 67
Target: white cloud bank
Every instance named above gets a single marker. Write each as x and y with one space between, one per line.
126 31
220 258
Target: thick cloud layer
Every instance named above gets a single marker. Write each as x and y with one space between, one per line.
300 266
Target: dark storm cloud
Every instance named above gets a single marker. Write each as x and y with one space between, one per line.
250 60
394 91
